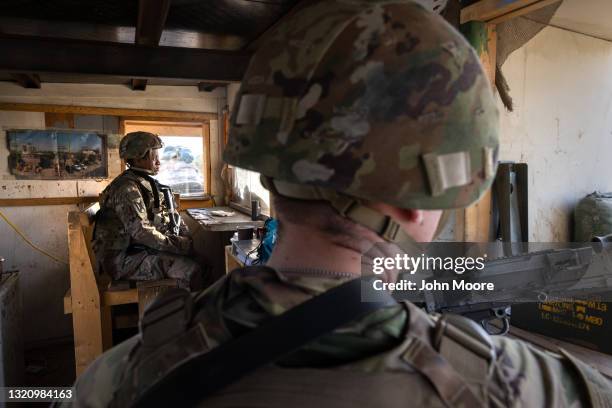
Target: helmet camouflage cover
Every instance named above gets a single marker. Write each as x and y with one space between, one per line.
378 100
135 145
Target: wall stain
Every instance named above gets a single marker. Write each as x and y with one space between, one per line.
112 141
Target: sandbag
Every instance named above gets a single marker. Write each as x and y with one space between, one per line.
593 216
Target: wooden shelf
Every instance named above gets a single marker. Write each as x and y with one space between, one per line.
32 202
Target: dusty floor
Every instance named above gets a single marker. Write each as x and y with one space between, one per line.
51 366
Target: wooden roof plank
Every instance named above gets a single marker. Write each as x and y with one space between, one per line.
124 112
40 55
497 11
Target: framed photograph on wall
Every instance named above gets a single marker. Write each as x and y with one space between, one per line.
57 154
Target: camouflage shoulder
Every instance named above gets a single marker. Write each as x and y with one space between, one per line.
96 386
599 387
118 182
127 192
540 378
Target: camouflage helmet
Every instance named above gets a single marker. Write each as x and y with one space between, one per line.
135 145
376 100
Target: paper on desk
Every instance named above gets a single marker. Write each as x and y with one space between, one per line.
209 222
201 217
199 214
197 211
221 213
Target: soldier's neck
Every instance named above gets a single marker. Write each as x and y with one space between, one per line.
141 170
302 248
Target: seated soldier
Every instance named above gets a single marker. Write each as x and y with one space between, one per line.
139 234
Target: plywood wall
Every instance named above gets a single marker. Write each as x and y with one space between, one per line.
562 125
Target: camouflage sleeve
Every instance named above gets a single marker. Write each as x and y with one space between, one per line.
543 379
130 208
184 229
599 387
96 386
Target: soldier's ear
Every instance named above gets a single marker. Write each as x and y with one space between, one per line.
409 215
401 215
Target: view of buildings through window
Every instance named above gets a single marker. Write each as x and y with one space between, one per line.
246 187
181 165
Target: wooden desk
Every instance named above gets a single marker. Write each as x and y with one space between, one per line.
211 235
218 223
601 361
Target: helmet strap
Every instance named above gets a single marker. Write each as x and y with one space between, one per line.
147 171
443 222
383 225
140 169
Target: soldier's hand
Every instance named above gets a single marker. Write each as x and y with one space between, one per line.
189 244
184 244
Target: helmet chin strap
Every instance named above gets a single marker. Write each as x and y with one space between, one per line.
147 171
442 222
383 225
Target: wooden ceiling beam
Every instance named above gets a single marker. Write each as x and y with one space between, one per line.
138 84
208 86
37 55
497 11
135 114
27 80
88 31
152 16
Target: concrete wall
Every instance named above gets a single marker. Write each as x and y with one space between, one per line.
562 125
11 339
44 281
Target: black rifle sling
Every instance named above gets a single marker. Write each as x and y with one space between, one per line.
210 372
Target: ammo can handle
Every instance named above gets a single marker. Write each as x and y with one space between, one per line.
605 239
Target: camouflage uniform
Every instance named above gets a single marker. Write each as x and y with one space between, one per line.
134 238
349 101
361 364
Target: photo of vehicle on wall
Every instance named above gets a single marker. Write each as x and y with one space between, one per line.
56 155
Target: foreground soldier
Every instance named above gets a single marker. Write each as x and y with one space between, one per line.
365 119
139 234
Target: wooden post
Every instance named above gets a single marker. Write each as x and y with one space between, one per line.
86 308
177 200
476 223
207 157
497 11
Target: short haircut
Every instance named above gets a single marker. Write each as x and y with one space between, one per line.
322 217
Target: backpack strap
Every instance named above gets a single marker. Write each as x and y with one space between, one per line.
184 370
451 353
182 367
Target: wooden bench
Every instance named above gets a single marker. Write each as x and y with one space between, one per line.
91 297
